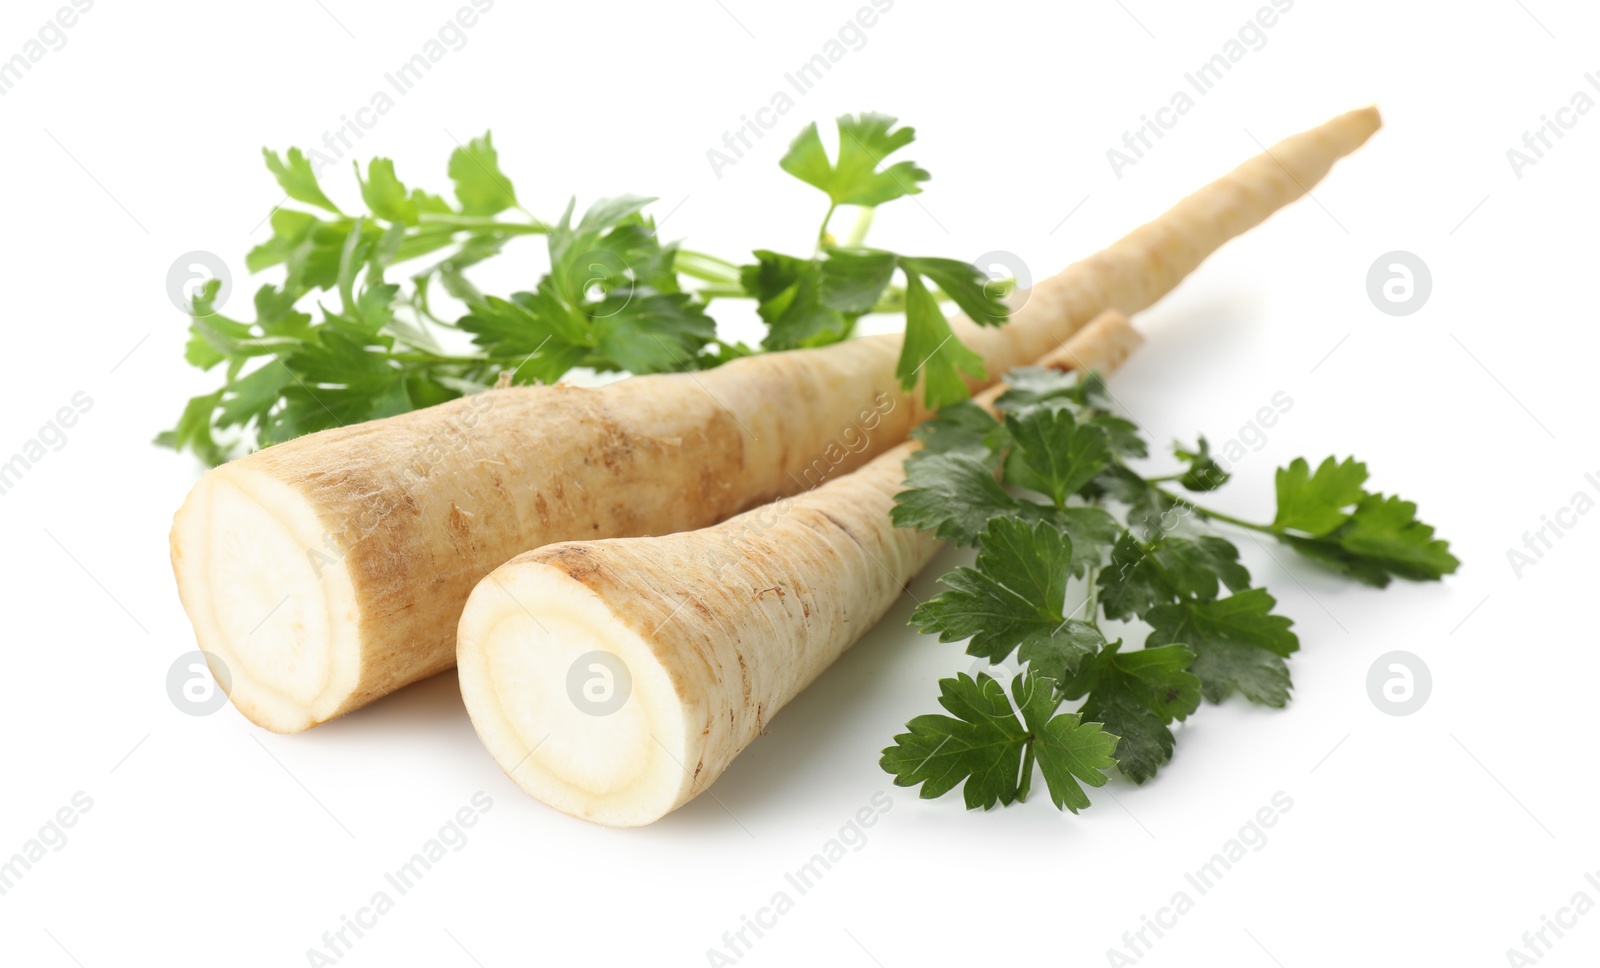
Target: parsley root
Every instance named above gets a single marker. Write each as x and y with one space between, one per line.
330 570
701 636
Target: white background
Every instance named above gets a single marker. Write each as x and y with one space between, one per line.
1437 838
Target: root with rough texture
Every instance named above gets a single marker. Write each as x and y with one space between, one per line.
615 680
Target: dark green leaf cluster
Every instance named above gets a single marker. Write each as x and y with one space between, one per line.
610 302
340 341
1033 491
369 348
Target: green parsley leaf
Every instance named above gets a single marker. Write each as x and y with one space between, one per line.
531 327
647 332
1382 539
249 395
1193 566
1122 435
1130 585
965 284
1136 695
1237 642
193 431
789 291
1067 749
1082 394
864 142
1030 385
953 495
1151 514
1204 473
1316 503
1055 455
1121 484
1141 577
961 428
1057 654
1013 596
853 280
1092 530
1027 386
980 743
932 351
297 179
290 229
605 213
481 187
385 194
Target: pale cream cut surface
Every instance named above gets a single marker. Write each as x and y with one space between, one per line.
287 636
530 628
366 540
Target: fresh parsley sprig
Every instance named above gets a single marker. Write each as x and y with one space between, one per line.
815 301
357 328
1034 492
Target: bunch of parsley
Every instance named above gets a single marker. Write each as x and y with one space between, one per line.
1035 492
345 336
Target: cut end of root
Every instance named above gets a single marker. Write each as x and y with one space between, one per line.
270 596
571 702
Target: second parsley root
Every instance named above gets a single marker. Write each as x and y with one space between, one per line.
615 680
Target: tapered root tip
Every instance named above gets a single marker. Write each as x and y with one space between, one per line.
268 596
569 700
1367 120
1345 133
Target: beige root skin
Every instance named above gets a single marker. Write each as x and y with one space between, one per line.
719 629
408 514
385 527
1149 262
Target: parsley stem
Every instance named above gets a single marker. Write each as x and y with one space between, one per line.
822 233
419 302
709 293
710 268
858 232
708 257
1165 478
1213 515
425 358
483 223
1027 771
892 301
1092 597
707 275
